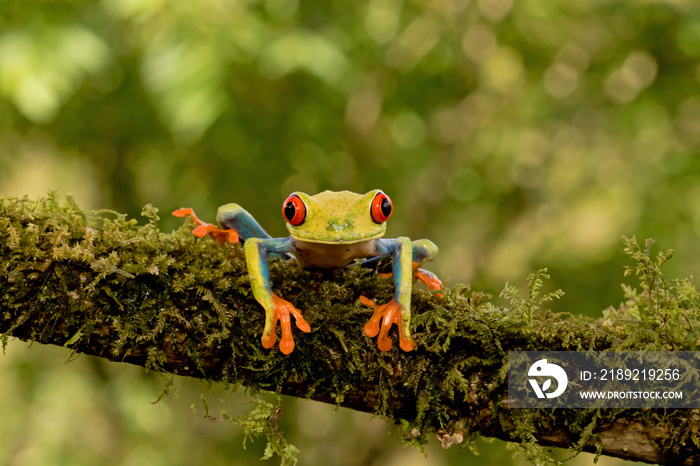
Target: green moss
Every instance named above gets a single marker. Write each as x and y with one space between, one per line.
106 285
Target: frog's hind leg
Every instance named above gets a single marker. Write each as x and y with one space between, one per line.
425 250
422 250
235 217
203 228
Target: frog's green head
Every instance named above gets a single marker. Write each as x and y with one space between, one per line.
337 217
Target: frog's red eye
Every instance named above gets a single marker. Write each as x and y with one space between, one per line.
294 210
381 208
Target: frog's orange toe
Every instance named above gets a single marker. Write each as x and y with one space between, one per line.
268 341
303 325
184 212
286 345
406 345
384 343
201 231
371 327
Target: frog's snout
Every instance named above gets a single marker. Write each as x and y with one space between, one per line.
340 226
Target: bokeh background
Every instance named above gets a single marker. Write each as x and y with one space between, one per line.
514 134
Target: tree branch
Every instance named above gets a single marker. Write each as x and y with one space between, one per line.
108 287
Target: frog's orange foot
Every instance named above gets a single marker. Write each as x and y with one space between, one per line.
429 278
283 309
385 315
203 228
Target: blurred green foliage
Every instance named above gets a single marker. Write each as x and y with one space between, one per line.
516 135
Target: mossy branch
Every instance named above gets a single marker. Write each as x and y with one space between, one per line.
103 285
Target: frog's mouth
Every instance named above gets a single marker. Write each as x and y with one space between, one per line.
348 239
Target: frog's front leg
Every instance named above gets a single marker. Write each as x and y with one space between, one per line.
398 310
277 309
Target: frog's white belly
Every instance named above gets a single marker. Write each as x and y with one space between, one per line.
331 256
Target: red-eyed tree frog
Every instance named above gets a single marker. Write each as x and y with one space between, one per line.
328 230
